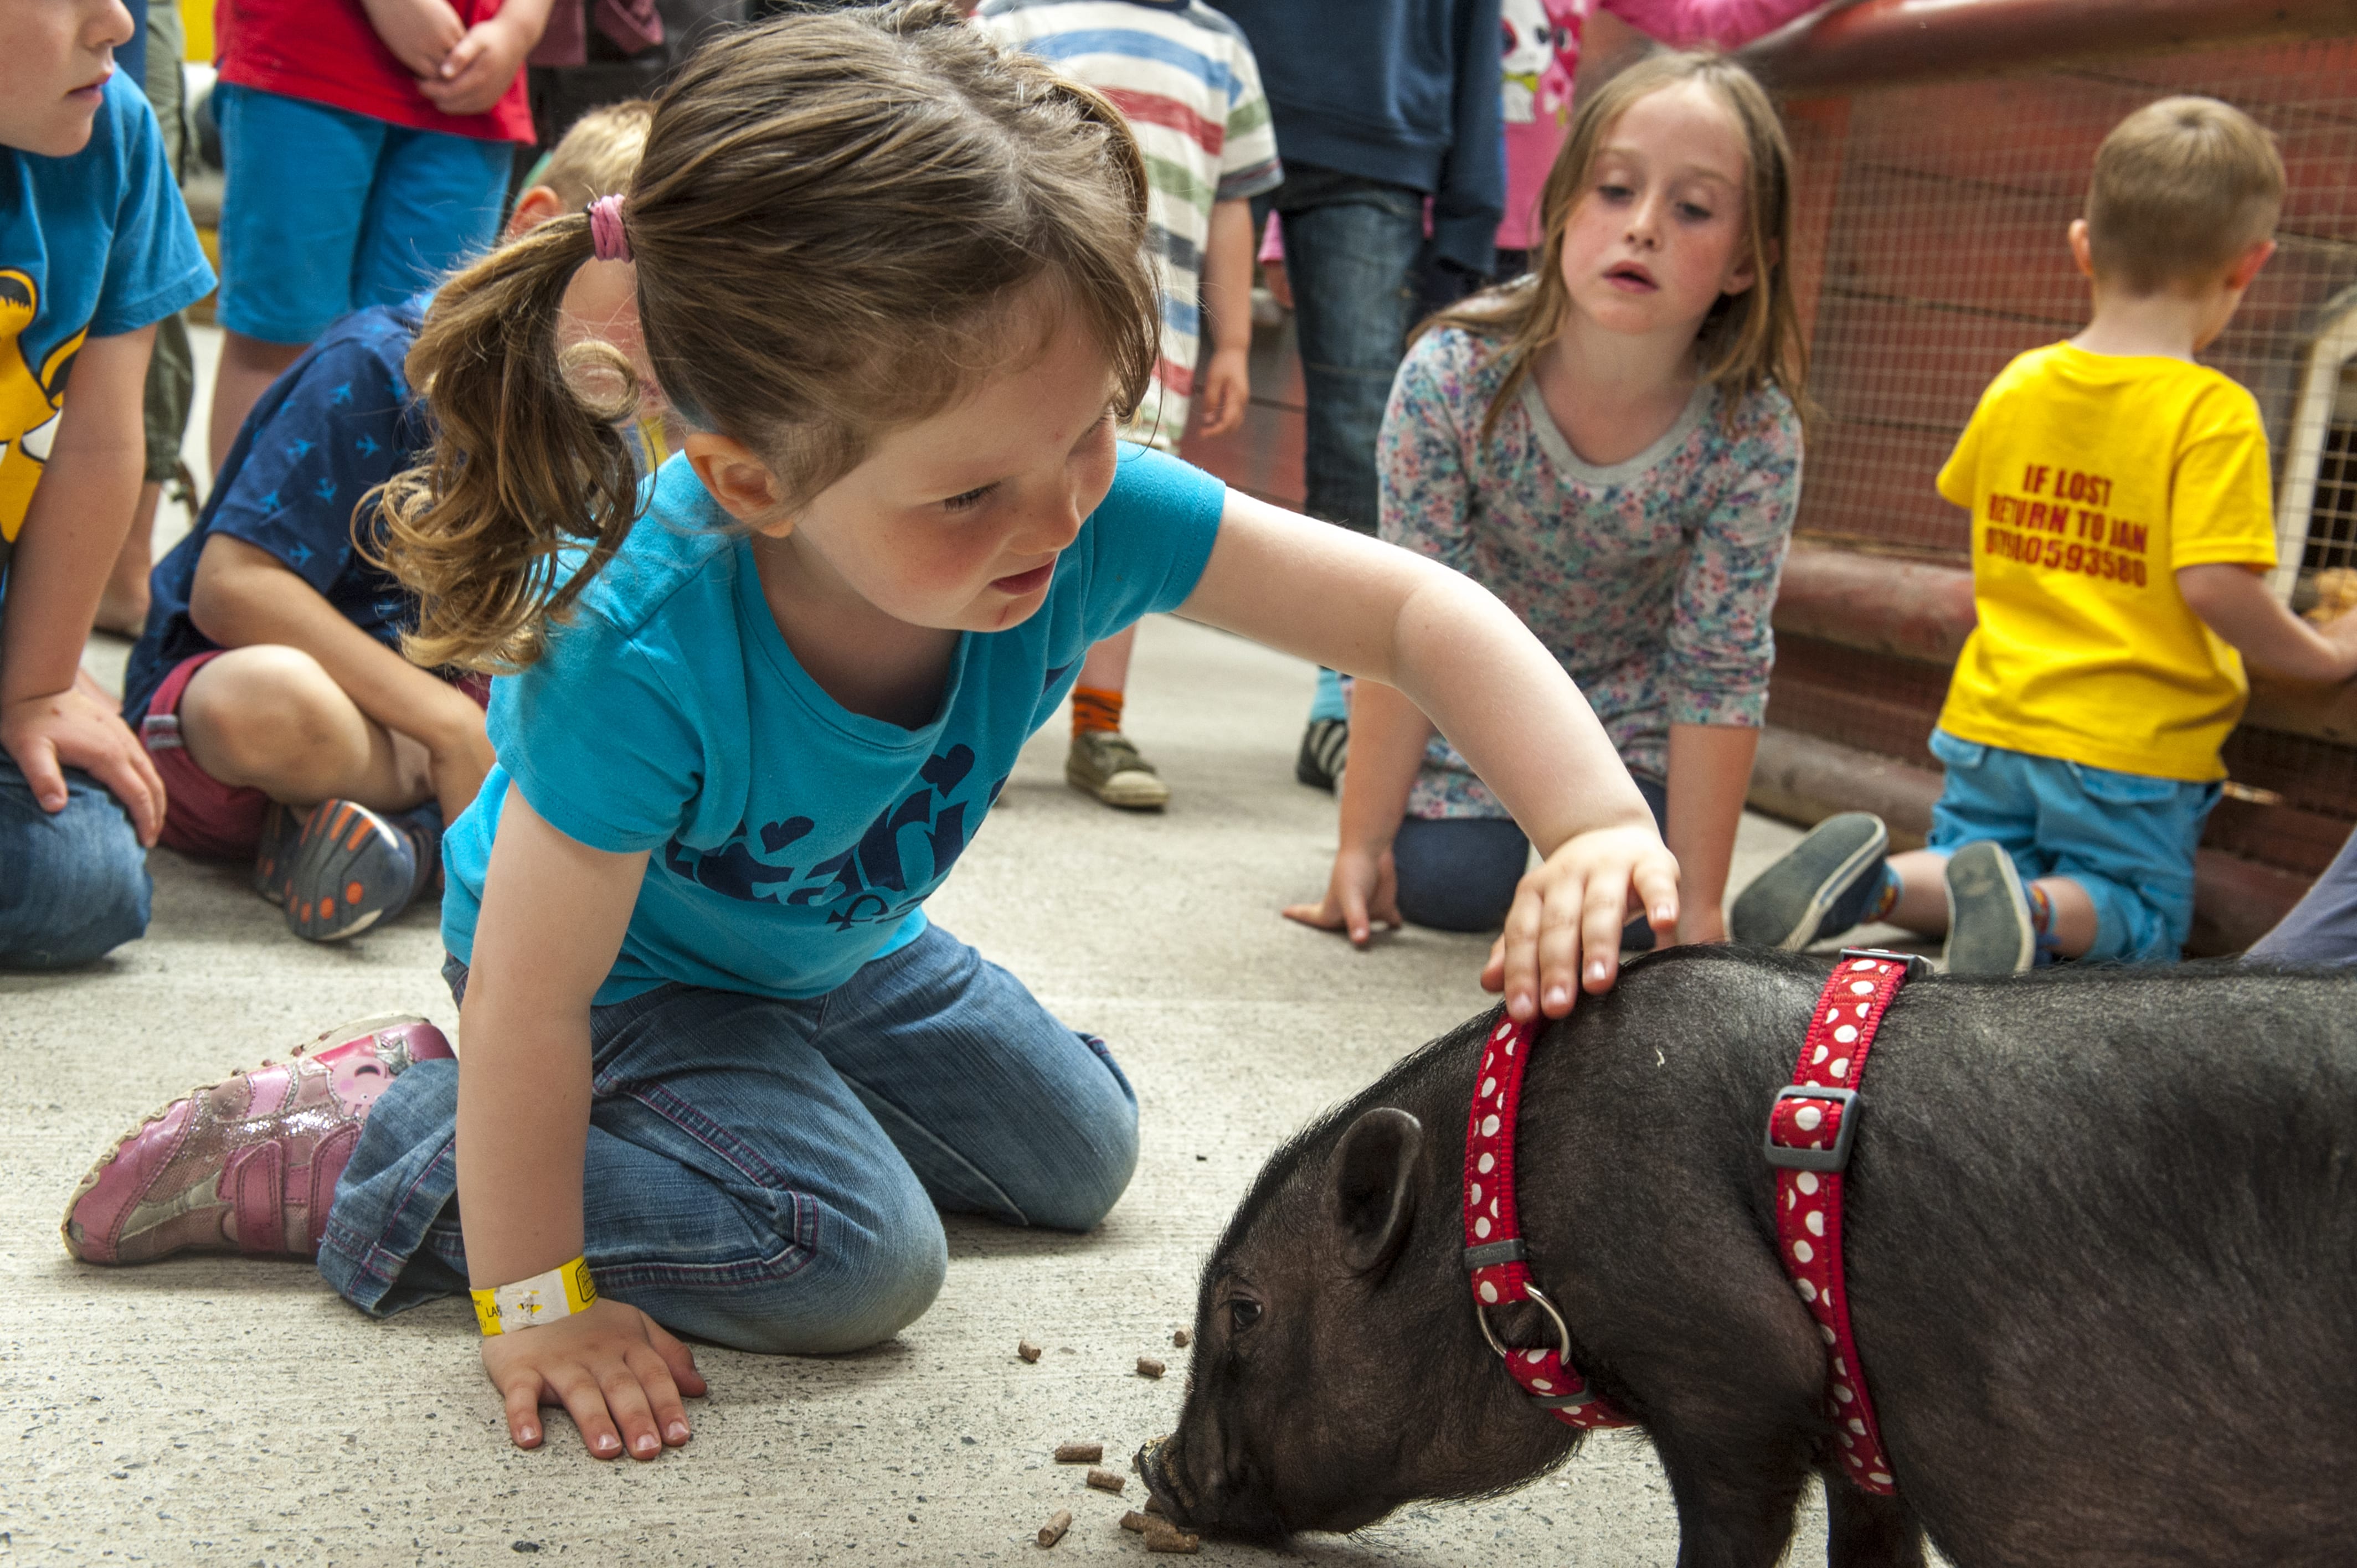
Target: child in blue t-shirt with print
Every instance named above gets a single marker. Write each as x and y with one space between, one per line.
95 248
722 1073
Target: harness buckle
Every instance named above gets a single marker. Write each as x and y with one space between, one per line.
1916 964
1787 1156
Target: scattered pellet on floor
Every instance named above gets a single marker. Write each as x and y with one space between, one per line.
1053 1531
1028 1351
1148 1366
1183 1338
1135 1522
1079 1452
1169 1538
1106 1481
1153 1505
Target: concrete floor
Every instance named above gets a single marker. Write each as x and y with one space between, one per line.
235 1411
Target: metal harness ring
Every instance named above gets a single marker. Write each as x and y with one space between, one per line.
1561 1333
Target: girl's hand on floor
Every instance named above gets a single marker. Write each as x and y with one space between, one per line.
1364 887
1576 903
610 1367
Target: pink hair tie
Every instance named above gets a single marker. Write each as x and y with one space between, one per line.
606 237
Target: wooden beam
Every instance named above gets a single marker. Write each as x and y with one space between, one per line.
1885 43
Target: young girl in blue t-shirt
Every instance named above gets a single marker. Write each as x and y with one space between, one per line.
723 1066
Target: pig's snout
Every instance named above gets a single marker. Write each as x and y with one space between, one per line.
1200 1492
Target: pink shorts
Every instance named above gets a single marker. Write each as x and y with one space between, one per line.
201 814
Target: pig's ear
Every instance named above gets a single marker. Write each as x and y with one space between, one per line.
1378 1173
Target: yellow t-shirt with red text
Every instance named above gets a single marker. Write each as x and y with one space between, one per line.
2091 479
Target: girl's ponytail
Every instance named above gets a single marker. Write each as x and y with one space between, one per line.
490 531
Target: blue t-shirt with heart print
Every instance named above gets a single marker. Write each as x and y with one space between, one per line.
791 839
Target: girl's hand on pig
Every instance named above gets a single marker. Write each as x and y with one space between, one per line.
1574 904
1363 889
610 1367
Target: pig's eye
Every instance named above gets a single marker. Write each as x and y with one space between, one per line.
1242 1313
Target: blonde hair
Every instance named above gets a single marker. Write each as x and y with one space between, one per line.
597 155
2181 188
1748 340
833 220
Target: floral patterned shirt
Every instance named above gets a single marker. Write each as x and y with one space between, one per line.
1652 580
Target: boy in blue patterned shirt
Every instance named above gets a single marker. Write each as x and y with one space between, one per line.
270 688
95 248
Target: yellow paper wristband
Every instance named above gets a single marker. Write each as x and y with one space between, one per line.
543 1298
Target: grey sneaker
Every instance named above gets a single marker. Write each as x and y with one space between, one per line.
1989 931
1103 763
1826 883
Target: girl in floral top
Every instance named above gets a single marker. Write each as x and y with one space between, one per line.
1611 446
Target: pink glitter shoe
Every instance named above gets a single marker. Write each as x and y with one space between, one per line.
249 1164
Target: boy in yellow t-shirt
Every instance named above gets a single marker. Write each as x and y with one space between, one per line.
2121 524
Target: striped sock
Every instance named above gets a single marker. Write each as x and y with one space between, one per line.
2041 911
1887 899
1095 709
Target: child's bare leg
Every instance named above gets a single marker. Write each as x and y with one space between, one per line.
248 366
269 718
1106 669
1922 904
2070 927
123 605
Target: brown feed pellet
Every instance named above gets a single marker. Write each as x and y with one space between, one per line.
1135 1522
1079 1452
1106 1481
1182 1339
1153 1504
1148 1366
1168 1539
1053 1531
1028 1351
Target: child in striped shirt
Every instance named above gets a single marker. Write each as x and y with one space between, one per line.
1185 78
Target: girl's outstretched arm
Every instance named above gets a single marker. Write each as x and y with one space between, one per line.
553 917
1494 691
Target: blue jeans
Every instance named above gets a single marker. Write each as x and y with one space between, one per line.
1459 874
72 886
2127 838
766 1174
2323 927
1351 248
326 211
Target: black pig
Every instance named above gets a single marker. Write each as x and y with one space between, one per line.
2102 1237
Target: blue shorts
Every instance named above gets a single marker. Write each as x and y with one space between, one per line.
2125 838
326 211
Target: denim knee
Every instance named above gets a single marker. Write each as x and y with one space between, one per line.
870 1275
1459 874
73 886
1099 1151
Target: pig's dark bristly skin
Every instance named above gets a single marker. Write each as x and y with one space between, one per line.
2101 1246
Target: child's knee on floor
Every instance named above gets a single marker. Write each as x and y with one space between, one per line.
73 886
271 718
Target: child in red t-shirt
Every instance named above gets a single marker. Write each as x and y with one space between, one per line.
368 144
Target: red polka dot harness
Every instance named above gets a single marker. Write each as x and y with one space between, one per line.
1812 1125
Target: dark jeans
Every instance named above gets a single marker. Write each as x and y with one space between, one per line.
73 885
1459 874
766 1174
1352 246
2323 927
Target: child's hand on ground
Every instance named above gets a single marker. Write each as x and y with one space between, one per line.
479 67
1575 904
1227 388
420 33
457 755
1364 887
610 1367
78 727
